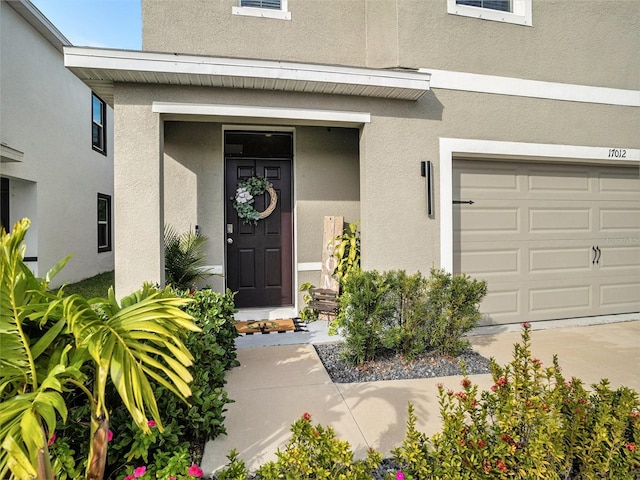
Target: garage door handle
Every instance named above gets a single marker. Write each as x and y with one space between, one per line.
468 202
597 253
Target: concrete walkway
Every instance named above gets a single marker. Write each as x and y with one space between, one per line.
275 385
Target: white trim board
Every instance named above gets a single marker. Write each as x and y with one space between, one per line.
258 112
519 87
450 147
309 266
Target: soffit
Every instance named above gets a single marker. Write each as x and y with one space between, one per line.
101 68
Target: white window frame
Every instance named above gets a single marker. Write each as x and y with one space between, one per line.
521 14
282 14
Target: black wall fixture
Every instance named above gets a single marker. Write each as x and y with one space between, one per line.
426 170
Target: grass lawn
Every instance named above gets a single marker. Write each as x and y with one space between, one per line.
92 287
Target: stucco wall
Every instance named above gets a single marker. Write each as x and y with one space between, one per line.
587 42
325 183
46 114
396 231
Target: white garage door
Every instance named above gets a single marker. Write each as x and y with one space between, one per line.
552 241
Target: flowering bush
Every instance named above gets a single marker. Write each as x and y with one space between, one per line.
531 424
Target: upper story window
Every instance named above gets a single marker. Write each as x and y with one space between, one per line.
263 8
98 124
508 11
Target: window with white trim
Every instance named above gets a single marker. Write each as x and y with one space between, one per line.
263 8
104 223
508 11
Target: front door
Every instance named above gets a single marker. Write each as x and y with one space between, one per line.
260 256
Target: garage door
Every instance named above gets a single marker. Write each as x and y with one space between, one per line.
552 241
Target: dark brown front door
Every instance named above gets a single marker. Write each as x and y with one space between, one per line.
259 257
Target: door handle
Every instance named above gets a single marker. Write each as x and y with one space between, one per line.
229 241
597 253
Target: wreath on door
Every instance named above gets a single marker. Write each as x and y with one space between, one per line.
246 191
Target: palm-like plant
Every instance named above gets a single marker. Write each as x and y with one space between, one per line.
51 343
183 258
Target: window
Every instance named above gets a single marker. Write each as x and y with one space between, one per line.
104 223
508 11
263 8
98 124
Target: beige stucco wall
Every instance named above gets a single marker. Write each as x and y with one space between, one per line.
587 42
45 113
396 231
325 183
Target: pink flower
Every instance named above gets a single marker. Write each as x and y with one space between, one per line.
195 471
526 326
129 477
109 436
151 423
138 472
400 475
172 478
306 417
52 439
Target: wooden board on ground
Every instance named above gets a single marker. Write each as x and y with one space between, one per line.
266 326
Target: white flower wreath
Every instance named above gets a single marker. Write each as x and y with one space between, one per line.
246 192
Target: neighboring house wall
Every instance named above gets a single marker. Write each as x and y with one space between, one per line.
46 116
584 42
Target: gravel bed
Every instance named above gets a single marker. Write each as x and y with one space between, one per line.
395 367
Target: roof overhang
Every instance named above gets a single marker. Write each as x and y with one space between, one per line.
101 68
8 154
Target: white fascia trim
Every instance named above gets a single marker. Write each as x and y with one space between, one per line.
136 61
473 82
334 116
453 147
521 14
41 23
8 154
309 266
261 12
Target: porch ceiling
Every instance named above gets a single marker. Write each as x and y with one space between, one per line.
101 68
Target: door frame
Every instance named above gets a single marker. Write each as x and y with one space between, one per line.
294 211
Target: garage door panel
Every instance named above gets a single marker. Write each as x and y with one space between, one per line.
616 183
491 262
561 301
619 219
501 305
619 291
550 181
560 220
560 260
476 178
552 241
490 220
620 260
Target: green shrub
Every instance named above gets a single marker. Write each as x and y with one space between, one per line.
313 452
531 424
406 313
406 329
452 309
364 308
